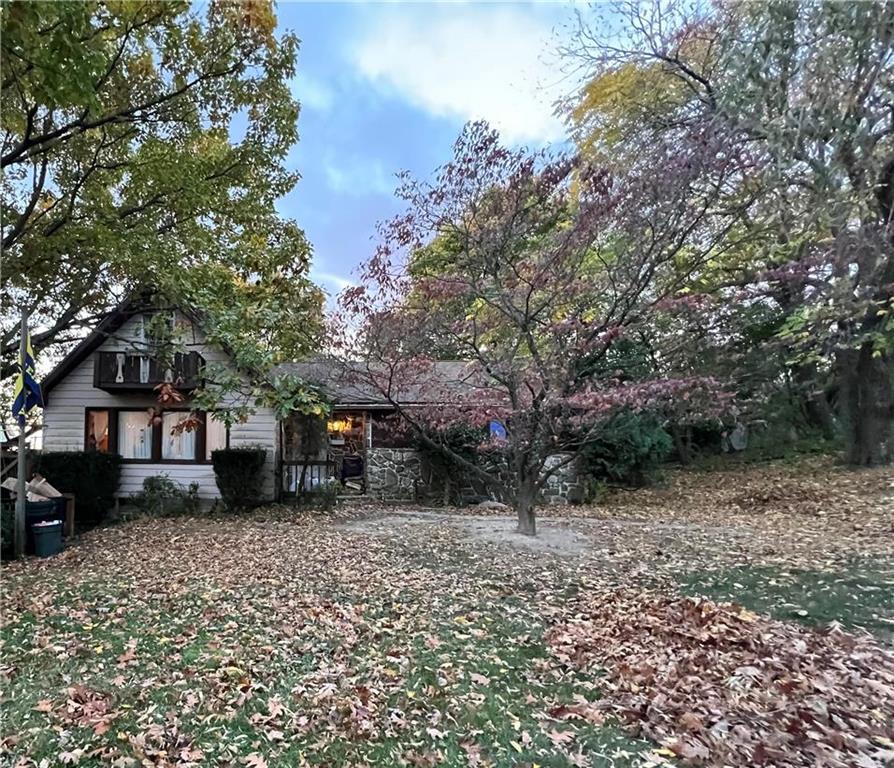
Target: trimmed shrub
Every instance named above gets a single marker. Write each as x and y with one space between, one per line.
163 497
7 529
238 473
91 476
629 449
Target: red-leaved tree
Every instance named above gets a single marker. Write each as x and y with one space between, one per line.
525 269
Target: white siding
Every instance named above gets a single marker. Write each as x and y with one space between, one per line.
64 418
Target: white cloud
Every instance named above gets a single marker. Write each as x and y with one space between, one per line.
312 94
358 176
469 62
330 281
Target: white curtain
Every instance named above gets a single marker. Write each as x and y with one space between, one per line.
215 436
176 445
134 435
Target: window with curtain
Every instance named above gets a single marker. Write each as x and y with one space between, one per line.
215 435
135 433
176 444
97 437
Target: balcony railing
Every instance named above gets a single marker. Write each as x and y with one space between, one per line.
127 371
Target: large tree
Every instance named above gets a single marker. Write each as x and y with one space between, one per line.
144 144
543 265
806 90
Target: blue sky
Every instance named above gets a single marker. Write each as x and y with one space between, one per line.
386 87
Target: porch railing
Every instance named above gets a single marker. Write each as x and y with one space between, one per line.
317 472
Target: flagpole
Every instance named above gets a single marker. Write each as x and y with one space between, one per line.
22 463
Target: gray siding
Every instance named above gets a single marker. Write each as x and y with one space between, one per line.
65 413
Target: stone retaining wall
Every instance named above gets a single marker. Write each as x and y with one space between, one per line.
565 485
397 473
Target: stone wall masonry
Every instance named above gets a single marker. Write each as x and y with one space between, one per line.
397 473
393 473
565 486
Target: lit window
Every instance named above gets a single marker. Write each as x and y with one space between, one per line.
135 435
177 443
215 436
97 438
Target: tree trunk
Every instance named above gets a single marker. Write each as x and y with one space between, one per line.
300 489
867 397
682 437
816 405
524 506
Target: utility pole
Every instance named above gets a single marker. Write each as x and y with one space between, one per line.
22 457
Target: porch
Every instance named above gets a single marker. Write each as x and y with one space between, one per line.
317 450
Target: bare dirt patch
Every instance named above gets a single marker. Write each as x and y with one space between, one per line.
812 515
557 537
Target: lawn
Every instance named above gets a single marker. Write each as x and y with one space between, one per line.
859 596
285 641
383 637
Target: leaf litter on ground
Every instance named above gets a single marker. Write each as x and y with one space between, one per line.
295 638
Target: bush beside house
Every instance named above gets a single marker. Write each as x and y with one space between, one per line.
163 497
628 450
91 476
239 475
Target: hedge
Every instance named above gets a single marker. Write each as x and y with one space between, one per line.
90 475
628 450
7 529
239 475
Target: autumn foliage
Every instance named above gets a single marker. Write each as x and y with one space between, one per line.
530 268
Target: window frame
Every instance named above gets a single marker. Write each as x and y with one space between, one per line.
156 458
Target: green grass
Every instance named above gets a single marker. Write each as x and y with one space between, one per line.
859 597
473 673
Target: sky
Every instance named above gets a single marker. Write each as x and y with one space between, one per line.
386 87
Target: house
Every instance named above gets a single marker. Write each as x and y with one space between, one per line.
102 396
99 397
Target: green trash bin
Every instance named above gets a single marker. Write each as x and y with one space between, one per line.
39 512
47 538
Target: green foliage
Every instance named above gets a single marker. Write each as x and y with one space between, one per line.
628 449
239 476
91 476
323 496
145 144
625 360
235 393
163 497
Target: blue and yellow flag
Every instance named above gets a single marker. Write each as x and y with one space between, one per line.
27 390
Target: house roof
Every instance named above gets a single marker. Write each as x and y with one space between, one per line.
355 383
346 384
